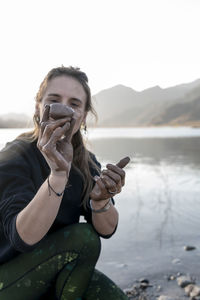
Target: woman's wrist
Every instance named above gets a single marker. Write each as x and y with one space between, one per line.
99 204
103 209
58 174
58 179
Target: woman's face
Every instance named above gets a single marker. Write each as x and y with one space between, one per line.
69 91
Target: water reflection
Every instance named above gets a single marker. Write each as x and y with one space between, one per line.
149 150
159 206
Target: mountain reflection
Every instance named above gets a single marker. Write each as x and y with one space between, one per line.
149 150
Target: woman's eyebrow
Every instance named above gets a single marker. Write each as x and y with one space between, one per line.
76 99
57 95
53 95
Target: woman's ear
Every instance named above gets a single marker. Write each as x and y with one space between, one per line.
84 118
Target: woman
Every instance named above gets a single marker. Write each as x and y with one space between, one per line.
47 180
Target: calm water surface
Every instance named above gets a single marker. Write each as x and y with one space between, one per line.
160 204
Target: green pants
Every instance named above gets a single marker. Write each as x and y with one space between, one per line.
60 267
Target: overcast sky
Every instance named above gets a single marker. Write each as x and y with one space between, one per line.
137 43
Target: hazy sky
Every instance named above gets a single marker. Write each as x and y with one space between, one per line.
138 43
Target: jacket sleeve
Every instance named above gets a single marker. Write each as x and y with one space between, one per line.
16 191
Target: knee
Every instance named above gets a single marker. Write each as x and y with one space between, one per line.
86 237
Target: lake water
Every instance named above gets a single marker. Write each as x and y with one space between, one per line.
159 206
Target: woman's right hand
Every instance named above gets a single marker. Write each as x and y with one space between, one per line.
54 142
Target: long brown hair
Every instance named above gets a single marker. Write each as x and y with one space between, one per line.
82 160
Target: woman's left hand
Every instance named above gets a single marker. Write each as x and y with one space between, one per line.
110 182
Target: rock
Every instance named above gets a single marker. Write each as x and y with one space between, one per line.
188 289
144 280
189 248
159 288
135 291
195 292
183 281
144 283
176 261
162 297
127 290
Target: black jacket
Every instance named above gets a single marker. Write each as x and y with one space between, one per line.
23 169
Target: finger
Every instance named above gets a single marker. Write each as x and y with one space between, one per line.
123 162
112 175
54 138
45 116
66 127
116 170
50 147
50 126
51 153
100 184
69 133
96 177
119 171
109 183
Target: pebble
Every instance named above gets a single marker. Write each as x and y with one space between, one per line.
162 297
171 277
144 280
189 248
188 289
176 261
183 281
159 288
195 292
144 283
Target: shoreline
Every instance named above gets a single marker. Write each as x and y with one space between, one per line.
165 287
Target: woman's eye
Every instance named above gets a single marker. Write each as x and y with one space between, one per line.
53 101
74 104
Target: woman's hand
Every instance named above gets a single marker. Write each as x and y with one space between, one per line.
110 181
54 142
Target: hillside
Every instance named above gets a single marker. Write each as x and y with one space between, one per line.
15 121
121 106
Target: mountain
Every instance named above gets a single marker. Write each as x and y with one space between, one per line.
122 106
187 113
13 120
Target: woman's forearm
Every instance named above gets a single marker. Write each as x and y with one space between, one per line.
34 221
104 222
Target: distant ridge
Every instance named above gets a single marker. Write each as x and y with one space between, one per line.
122 106
14 120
